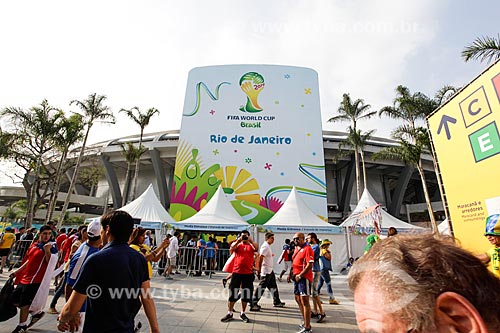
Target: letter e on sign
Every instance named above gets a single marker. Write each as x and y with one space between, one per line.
475 107
485 142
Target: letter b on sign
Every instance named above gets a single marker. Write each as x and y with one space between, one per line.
485 142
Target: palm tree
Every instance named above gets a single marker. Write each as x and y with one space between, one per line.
131 154
93 109
483 49
409 153
354 111
71 132
358 140
6 144
141 119
36 129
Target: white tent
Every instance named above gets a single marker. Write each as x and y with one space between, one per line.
295 216
366 201
357 243
444 228
217 215
148 208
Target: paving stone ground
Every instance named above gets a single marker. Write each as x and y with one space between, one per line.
196 304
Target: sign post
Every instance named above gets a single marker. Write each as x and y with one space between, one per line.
466 141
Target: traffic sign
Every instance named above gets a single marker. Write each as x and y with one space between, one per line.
466 141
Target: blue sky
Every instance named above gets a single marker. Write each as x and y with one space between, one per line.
138 53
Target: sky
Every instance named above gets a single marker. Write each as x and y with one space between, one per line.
139 53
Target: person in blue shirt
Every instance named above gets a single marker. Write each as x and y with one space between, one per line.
202 245
117 268
318 312
210 254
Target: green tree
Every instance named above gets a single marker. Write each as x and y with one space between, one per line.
357 141
483 49
354 111
410 108
141 119
93 110
410 153
71 133
34 132
90 177
131 154
6 144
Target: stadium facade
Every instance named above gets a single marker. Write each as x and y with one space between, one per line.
392 183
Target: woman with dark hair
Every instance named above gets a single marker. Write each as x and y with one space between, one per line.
392 232
136 242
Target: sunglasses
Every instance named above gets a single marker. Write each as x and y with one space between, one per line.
297 238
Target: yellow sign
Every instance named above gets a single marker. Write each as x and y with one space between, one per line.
465 134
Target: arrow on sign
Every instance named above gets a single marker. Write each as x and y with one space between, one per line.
444 122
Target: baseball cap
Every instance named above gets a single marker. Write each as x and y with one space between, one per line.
325 242
8 229
94 229
493 225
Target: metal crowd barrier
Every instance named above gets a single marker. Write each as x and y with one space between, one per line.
196 261
17 253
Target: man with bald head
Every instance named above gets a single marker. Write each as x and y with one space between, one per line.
302 276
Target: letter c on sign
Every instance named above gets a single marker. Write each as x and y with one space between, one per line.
473 113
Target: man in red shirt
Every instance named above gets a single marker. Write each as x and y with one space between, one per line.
61 238
244 249
30 275
302 276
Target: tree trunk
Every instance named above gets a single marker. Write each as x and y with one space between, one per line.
32 196
73 179
358 179
428 200
364 169
137 162
126 186
55 190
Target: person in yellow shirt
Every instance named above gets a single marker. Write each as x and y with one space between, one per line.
493 234
136 241
6 242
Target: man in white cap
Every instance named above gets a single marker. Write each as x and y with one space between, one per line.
91 246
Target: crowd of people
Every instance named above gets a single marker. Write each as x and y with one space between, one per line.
403 283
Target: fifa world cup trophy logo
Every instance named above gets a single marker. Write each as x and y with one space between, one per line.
252 84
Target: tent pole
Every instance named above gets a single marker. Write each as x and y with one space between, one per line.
348 242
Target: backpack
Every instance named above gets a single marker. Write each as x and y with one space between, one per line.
7 308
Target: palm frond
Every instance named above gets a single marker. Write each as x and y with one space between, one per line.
483 49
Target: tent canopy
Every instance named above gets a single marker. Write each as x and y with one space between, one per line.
217 215
366 202
296 216
148 208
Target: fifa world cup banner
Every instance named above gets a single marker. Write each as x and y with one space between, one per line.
256 131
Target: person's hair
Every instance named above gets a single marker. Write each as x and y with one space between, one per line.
22 228
136 233
422 267
62 230
313 236
246 232
287 241
119 223
50 223
268 235
45 227
177 233
392 232
81 230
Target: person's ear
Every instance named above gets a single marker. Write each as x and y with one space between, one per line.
454 313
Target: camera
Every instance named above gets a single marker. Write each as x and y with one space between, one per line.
244 237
